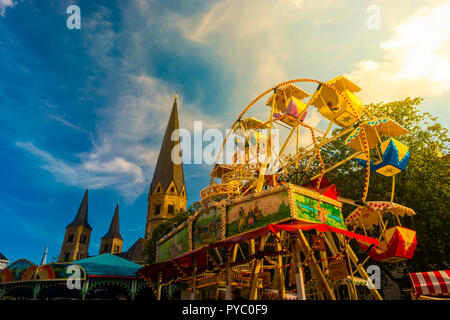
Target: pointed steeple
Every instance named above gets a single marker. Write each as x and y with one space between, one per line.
82 214
166 171
113 231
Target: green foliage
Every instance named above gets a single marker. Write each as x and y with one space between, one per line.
164 228
423 186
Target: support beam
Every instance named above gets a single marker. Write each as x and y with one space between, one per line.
296 159
234 253
255 271
85 289
279 271
228 255
362 272
194 279
314 266
299 280
159 286
337 165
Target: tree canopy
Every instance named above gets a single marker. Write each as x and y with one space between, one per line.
164 228
423 186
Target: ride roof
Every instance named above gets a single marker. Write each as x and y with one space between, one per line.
109 265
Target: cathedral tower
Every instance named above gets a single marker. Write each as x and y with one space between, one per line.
78 233
167 194
112 241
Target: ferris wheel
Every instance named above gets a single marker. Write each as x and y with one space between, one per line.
262 156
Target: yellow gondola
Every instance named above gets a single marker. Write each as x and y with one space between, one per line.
334 106
374 129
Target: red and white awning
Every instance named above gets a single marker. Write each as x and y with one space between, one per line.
431 283
369 213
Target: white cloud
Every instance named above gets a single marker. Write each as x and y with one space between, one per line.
91 171
415 60
127 140
6 4
251 40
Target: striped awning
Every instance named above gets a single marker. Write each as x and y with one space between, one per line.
431 283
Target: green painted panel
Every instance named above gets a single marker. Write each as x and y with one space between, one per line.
308 209
206 228
174 246
257 213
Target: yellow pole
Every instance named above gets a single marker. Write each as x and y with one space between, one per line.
299 280
255 271
337 165
297 145
393 188
318 146
229 275
326 132
323 257
234 254
316 270
279 272
362 224
159 285
363 274
353 286
194 279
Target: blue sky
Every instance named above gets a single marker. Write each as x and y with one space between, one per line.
89 107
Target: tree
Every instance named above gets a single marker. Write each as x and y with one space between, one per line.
423 186
164 228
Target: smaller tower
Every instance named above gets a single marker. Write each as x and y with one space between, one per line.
112 241
78 233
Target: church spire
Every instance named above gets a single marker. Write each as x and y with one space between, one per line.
82 214
113 231
112 241
78 233
166 171
167 194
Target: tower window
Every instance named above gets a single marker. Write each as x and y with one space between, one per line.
83 239
158 190
170 209
105 248
172 189
70 238
116 248
157 208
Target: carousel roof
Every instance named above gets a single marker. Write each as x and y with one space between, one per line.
2 257
109 265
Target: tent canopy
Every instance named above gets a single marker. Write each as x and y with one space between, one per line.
109 265
431 283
